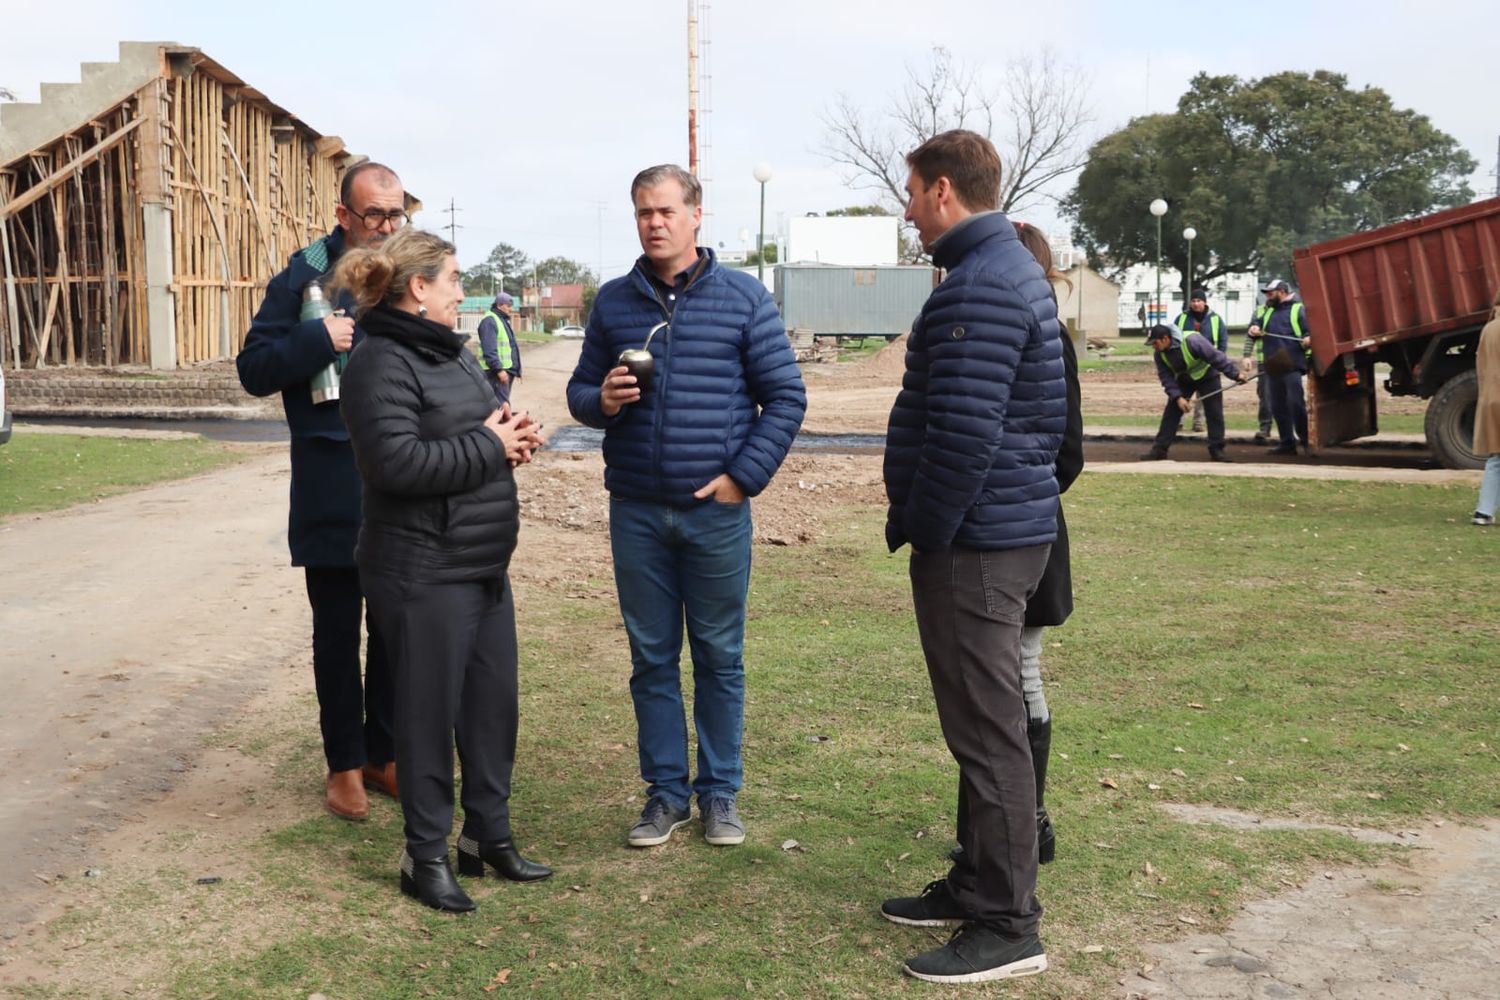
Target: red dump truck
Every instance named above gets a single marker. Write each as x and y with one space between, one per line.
1412 296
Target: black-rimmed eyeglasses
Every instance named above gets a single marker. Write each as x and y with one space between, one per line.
374 218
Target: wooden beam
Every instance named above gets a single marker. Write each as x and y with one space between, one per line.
39 190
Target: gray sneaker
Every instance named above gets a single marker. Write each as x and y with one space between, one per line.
657 822
722 826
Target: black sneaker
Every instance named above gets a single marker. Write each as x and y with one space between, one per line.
657 822
1262 438
977 954
1283 449
936 907
1482 520
1219 456
1154 455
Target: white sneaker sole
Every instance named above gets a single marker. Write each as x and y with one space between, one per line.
930 922
733 840
656 841
1015 970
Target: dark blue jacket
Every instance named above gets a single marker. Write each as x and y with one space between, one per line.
1280 324
974 434
282 354
727 396
1208 324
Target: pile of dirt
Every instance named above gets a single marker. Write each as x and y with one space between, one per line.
889 360
566 491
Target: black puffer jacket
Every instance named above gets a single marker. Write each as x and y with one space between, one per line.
440 500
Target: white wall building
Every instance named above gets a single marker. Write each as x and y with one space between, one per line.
861 240
1232 296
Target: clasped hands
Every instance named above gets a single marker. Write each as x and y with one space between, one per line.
518 433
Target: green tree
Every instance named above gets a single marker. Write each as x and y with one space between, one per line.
1259 167
563 271
753 257
504 259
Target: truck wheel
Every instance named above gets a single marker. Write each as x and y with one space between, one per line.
1450 422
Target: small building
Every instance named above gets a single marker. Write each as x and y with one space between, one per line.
1088 303
828 300
550 306
1232 296
144 209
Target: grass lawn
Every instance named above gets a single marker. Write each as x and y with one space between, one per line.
1341 668
48 471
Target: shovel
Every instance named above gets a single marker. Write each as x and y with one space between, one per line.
1276 364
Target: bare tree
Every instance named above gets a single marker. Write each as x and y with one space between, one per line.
1036 117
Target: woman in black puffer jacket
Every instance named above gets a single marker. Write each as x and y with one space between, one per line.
440 523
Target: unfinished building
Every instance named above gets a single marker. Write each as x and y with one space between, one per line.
144 209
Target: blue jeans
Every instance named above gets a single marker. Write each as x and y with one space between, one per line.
674 565
1489 487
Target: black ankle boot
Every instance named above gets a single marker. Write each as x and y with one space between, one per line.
500 855
433 883
1039 735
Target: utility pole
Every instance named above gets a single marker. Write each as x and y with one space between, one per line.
599 260
692 67
452 213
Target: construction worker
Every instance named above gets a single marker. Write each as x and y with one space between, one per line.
1251 359
1188 364
499 353
1198 318
1282 330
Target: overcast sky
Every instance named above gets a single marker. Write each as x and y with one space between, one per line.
534 117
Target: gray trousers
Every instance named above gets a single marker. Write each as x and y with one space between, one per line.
970 607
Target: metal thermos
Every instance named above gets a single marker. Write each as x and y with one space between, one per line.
325 384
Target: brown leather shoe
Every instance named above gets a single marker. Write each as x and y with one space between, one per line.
345 796
382 778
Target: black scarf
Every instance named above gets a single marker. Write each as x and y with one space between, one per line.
417 332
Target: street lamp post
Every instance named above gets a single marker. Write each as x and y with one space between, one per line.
1158 209
762 174
1189 234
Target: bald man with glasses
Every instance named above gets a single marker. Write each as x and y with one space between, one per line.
284 353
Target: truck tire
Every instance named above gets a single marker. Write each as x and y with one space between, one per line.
1450 422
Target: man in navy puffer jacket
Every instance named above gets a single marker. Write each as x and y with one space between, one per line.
681 456
969 470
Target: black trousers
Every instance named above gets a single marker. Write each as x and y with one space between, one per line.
355 717
1213 409
453 656
970 607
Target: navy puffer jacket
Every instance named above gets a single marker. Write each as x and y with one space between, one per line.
727 395
440 499
973 436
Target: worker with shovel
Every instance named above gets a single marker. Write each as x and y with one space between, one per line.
1187 367
1283 332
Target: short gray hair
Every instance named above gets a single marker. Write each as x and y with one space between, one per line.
692 191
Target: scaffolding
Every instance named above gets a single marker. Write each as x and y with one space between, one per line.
146 234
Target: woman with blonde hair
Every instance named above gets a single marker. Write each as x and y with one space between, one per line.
1053 600
440 524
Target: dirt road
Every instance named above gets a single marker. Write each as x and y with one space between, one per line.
135 627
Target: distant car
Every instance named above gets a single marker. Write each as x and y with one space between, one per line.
570 330
4 413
